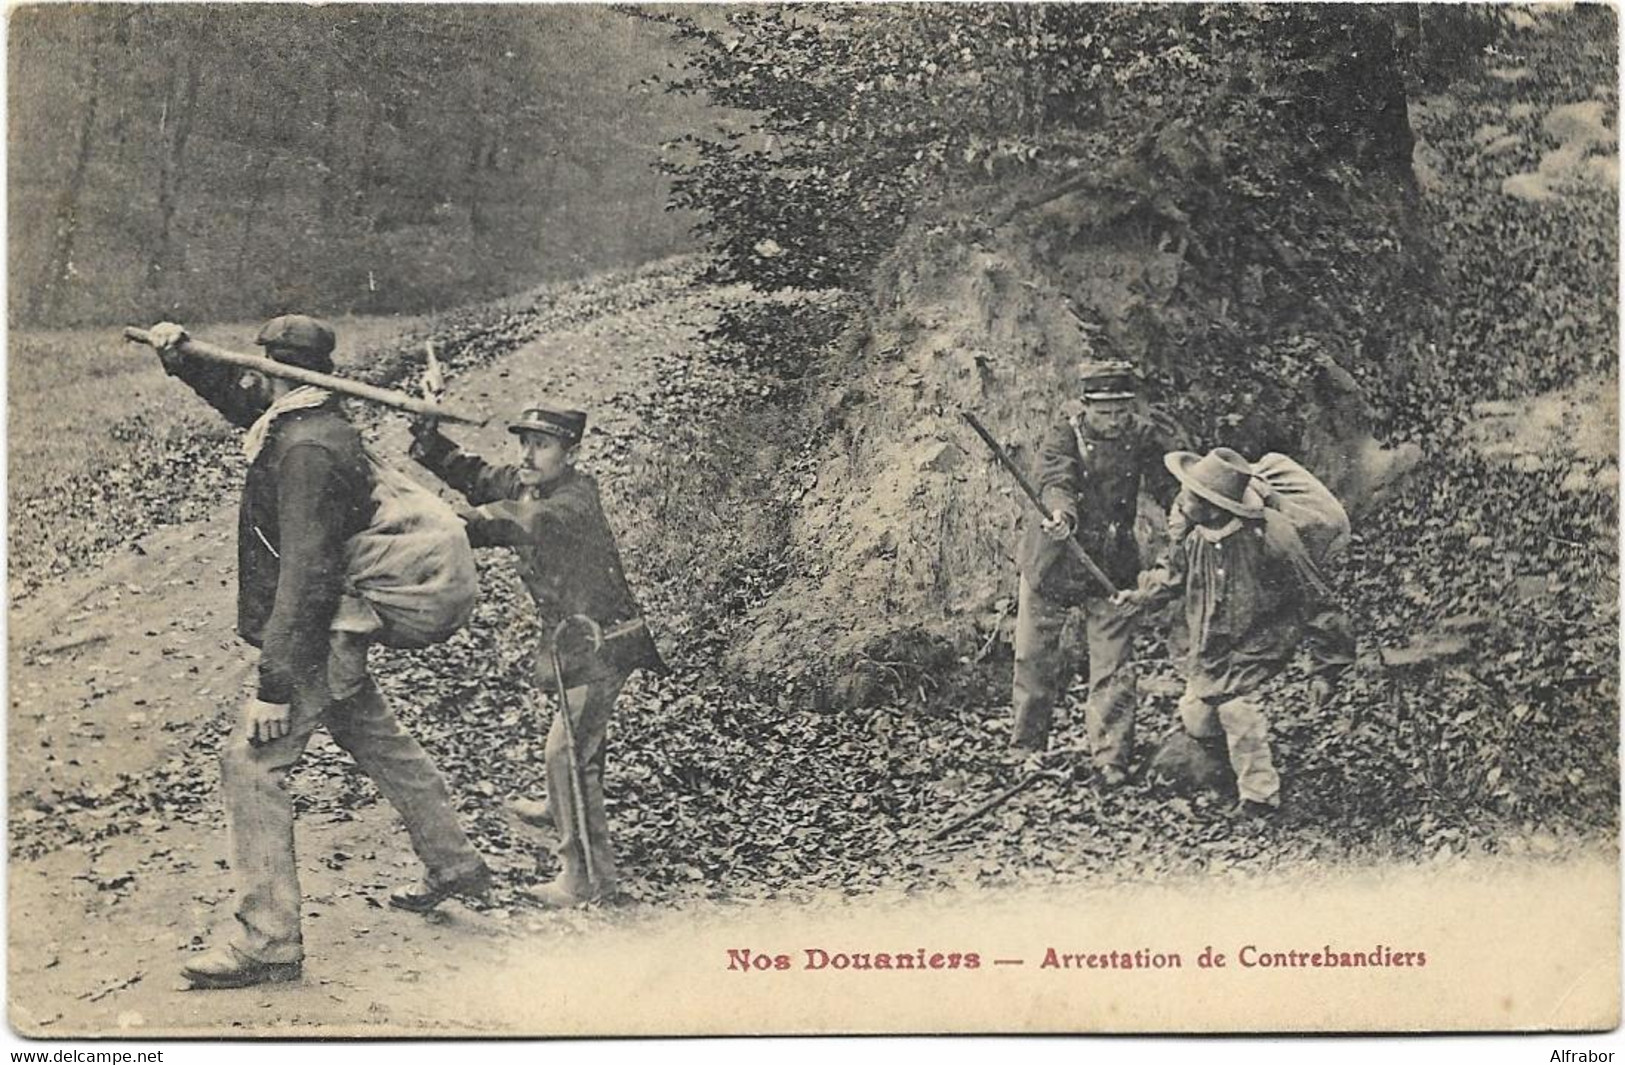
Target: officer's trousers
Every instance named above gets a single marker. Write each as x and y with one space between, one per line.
1043 673
591 706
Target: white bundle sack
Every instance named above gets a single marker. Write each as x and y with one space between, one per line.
1318 518
412 568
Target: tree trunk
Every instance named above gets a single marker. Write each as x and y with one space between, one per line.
328 154
473 180
369 160
120 135
164 261
261 164
47 295
155 265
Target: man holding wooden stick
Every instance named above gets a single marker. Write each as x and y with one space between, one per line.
308 491
1090 472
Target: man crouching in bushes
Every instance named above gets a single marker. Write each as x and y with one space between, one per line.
549 513
1252 594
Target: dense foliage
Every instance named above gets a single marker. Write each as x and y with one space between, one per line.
1268 143
863 111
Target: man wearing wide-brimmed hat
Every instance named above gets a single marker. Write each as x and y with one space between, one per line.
549 513
307 492
1252 596
1091 469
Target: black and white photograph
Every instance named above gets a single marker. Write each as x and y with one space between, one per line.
546 520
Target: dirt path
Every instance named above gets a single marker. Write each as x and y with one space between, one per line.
650 971
122 683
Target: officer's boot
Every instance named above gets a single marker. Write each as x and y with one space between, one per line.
537 813
571 887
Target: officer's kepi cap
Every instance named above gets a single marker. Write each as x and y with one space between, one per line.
298 340
1109 379
553 420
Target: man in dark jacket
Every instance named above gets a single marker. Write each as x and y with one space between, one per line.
549 513
1090 472
307 492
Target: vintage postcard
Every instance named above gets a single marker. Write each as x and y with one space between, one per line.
687 520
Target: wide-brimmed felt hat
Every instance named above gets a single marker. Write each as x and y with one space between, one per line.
1222 477
552 419
1109 379
299 340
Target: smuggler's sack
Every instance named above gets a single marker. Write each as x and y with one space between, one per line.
409 576
1318 518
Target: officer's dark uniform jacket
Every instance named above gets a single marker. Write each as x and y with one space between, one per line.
308 491
1097 483
562 542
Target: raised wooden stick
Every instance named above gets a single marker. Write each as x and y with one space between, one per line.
355 389
1033 497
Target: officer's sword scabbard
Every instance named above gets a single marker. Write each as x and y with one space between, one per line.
578 782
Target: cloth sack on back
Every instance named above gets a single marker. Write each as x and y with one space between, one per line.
1319 519
409 576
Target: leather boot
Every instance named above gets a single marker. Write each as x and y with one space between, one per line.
227 967
537 813
431 891
571 887
1252 810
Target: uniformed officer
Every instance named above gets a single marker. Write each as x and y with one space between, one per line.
549 513
1090 471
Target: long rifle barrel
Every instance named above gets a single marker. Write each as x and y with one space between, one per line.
1032 495
372 393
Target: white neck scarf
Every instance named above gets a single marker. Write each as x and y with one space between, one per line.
1213 536
301 398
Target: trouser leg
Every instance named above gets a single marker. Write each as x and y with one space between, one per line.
1246 732
1042 669
1199 717
603 853
259 819
591 706
1113 682
365 727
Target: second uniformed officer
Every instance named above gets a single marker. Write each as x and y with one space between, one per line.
1090 472
549 513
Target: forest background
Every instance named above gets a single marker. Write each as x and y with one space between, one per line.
229 161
